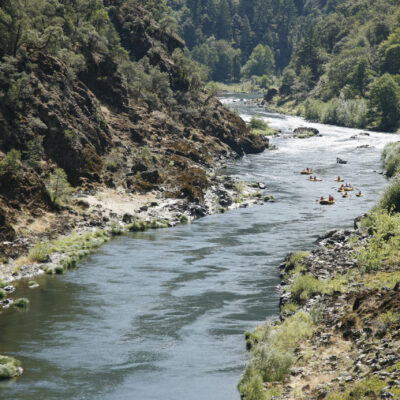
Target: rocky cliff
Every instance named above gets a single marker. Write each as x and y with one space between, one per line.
132 116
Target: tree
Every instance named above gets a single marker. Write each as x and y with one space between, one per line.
261 62
224 21
58 186
385 98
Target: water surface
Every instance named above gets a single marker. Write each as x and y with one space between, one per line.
160 315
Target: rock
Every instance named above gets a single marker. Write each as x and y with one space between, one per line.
151 176
306 130
262 185
340 160
127 218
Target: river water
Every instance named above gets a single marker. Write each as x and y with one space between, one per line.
160 315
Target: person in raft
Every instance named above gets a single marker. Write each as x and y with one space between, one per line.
322 198
339 179
331 198
359 194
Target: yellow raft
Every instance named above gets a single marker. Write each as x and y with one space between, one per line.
326 202
348 189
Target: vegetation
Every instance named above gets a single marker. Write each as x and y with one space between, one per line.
9 367
21 302
260 127
58 187
391 159
272 354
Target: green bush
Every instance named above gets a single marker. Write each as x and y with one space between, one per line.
391 158
3 294
39 253
11 163
58 186
272 352
384 246
390 200
256 123
304 286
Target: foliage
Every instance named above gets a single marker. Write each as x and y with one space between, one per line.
11 163
261 62
9 367
390 200
391 158
58 186
383 248
273 353
304 286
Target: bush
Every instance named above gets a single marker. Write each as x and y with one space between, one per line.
391 158
272 348
11 163
272 364
384 246
58 187
304 286
390 200
256 123
39 253
3 294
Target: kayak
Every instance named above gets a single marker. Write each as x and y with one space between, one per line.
314 180
359 195
307 173
337 180
326 202
346 195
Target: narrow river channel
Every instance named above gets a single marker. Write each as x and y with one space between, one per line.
160 315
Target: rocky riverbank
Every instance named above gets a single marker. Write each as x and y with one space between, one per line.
338 336
112 212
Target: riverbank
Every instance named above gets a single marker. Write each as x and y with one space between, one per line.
92 218
339 329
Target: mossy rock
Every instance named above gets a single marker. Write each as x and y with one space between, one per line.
9 367
22 302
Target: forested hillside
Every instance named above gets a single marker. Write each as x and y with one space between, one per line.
99 93
339 59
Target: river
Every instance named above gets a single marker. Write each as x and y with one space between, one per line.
160 315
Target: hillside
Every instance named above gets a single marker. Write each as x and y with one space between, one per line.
331 61
104 92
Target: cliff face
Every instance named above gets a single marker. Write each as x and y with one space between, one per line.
102 124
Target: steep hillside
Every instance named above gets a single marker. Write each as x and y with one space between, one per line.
346 66
103 91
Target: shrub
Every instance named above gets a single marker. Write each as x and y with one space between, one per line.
3 294
256 123
11 163
39 253
304 286
384 246
251 385
391 158
58 187
272 364
390 200
272 348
